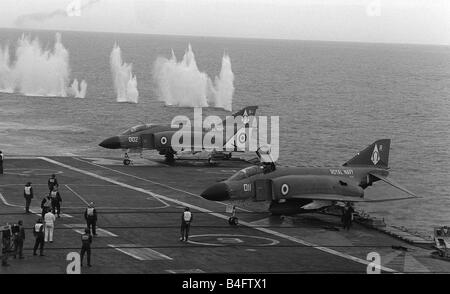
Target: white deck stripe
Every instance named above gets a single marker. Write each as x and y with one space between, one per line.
32 210
140 253
185 271
6 202
101 232
268 231
150 181
79 228
142 179
20 157
76 194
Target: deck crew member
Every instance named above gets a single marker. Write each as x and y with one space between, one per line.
19 238
56 201
38 232
6 244
1 163
52 182
28 195
90 215
86 240
46 205
49 220
186 219
348 217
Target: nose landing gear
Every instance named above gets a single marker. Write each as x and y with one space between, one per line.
233 221
126 160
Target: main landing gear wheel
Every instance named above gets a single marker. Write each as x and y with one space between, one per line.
211 162
170 158
233 221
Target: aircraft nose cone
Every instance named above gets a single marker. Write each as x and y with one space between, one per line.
111 143
217 192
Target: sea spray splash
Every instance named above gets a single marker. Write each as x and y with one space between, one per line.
78 90
125 83
183 84
223 89
6 80
37 72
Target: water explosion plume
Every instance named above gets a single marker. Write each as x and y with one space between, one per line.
36 71
78 90
125 84
183 84
6 81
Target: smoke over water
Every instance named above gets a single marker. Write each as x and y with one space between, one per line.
37 72
27 19
125 83
183 84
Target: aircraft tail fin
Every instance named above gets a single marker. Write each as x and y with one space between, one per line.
244 112
242 127
376 155
251 111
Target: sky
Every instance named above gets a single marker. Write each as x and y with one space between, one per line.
379 21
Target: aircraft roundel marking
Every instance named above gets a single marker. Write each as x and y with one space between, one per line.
242 138
163 140
284 189
375 155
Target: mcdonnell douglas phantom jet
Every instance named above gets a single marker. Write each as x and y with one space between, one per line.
158 137
293 190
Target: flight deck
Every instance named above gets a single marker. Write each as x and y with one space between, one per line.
139 213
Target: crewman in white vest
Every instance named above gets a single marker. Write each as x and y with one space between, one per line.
186 219
38 232
49 220
56 201
28 195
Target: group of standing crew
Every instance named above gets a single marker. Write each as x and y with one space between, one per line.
13 236
44 228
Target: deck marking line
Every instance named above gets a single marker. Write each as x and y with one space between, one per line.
150 181
140 253
76 194
79 228
185 271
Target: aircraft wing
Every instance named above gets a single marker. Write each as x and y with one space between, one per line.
342 198
329 197
394 184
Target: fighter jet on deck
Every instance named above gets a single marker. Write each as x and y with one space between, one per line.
293 190
158 137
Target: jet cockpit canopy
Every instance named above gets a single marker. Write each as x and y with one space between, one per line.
136 129
247 172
